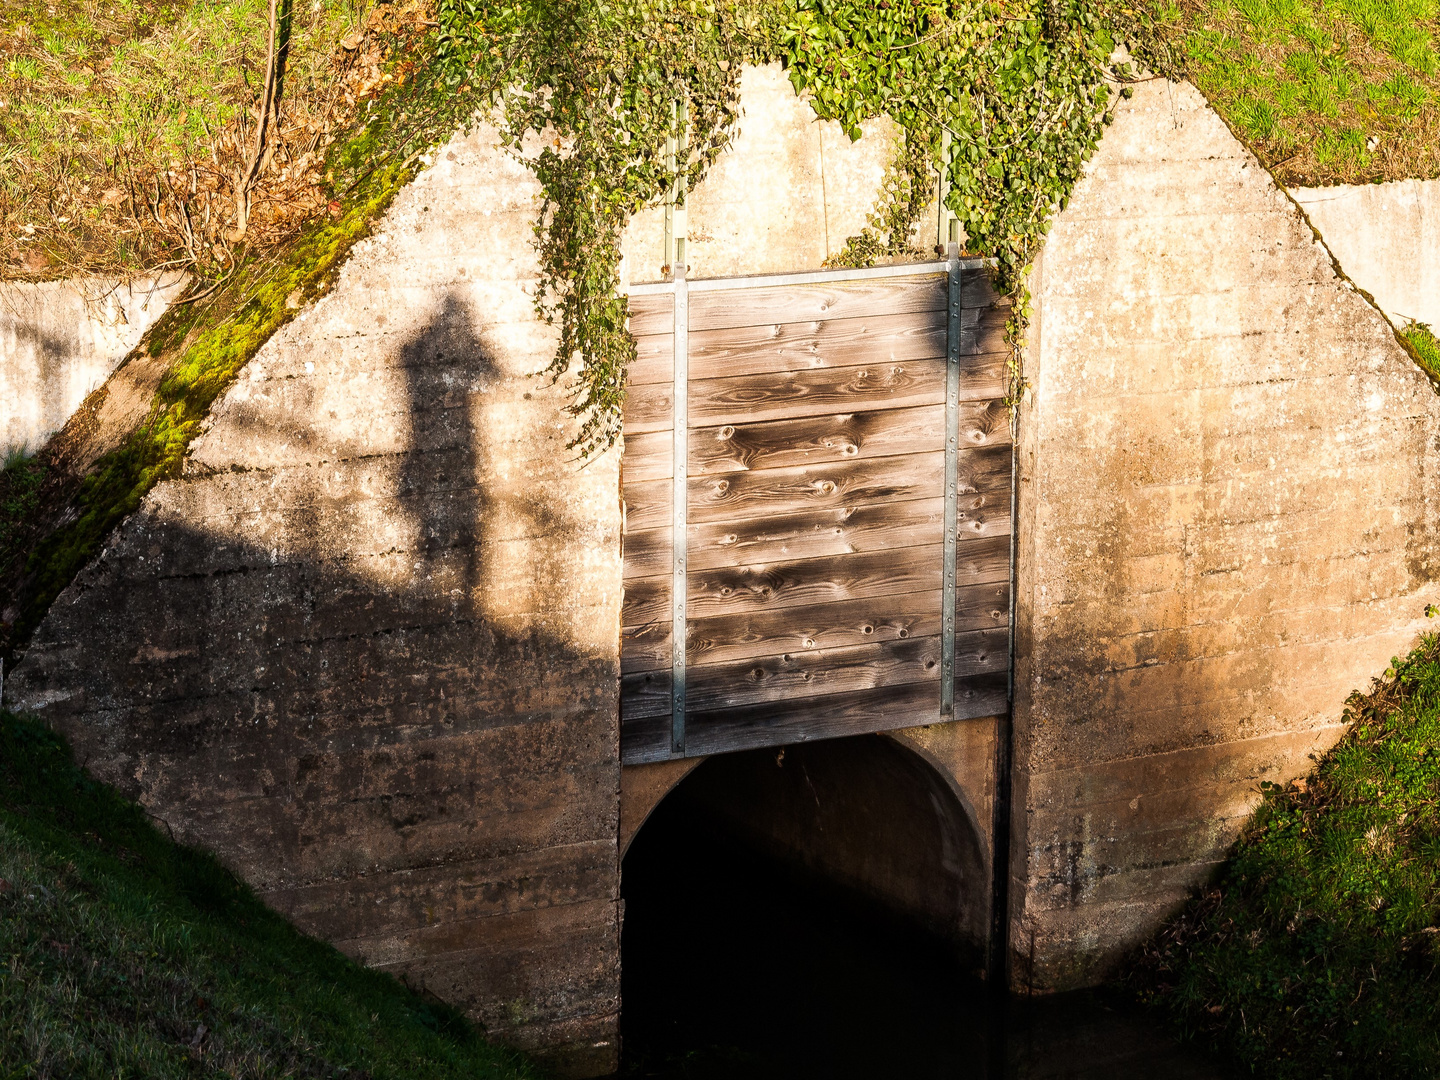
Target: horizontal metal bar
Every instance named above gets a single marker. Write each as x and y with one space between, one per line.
809 277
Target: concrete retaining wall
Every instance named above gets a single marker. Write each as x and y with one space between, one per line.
366 649
1387 240
60 339
1228 512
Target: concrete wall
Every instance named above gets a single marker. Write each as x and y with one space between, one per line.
60 339
786 195
1227 522
1387 240
367 648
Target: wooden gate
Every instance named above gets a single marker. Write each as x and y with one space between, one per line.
809 415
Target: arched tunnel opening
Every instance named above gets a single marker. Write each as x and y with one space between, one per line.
816 911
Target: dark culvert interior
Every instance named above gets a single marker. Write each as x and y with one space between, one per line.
816 912
820 912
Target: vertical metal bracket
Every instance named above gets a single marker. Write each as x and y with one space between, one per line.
677 153
946 224
952 481
680 448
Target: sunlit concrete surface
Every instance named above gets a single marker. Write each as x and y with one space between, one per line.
1386 238
1228 513
784 196
60 339
367 648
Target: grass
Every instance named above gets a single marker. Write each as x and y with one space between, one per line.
53 522
1324 91
123 954
1316 954
1424 347
123 124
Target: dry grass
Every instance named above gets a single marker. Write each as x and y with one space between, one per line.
1325 91
126 126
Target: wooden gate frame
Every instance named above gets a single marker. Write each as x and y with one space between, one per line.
679 287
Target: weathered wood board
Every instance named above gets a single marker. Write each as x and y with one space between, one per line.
815 512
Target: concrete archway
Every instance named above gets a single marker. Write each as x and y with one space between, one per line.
860 839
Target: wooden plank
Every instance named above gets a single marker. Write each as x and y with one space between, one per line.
784 395
983 331
644 739
978 291
819 626
810 535
983 513
796 346
763 305
836 436
654 358
843 436
648 455
736 590
742 497
645 647
739 496
858 713
649 408
646 600
647 504
652 313
787 675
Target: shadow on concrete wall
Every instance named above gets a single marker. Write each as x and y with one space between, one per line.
401 763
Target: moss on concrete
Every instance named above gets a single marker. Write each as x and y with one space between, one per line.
49 530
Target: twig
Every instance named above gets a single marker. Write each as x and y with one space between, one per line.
246 181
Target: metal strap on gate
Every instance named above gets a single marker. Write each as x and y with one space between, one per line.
680 448
677 152
952 481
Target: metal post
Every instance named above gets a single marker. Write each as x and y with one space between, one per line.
680 448
945 230
676 156
677 152
952 481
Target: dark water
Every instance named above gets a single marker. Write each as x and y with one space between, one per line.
735 967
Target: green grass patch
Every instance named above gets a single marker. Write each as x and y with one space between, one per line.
118 117
123 954
1316 953
1423 347
1325 91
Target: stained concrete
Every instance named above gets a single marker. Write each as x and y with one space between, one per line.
59 340
1387 240
367 648
785 196
1228 514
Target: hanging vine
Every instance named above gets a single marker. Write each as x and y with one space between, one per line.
591 90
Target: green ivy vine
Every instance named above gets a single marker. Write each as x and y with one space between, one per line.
1018 90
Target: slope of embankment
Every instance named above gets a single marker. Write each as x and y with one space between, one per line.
125 954
1317 951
